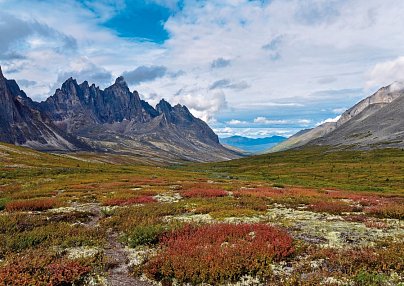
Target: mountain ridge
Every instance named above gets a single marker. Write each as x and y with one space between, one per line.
82 117
374 122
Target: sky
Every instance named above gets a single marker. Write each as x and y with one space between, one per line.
248 67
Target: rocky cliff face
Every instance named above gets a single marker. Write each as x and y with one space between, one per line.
74 107
22 124
382 97
112 120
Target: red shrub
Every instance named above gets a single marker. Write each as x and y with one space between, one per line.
203 193
387 210
376 224
277 193
259 192
355 218
363 199
332 207
218 253
39 269
129 201
32 205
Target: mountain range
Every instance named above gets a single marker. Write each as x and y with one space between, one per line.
83 117
375 122
252 145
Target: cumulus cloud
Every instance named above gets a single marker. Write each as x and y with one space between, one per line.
266 121
225 83
329 120
16 33
339 110
236 122
220 63
144 73
385 73
304 122
83 69
254 132
203 105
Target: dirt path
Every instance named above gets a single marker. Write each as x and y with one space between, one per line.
115 253
119 272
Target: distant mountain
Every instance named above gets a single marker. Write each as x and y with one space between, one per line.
83 117
375 122
252 145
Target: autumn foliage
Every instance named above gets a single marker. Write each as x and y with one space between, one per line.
218 253
203 193
32 205
35 268
129 201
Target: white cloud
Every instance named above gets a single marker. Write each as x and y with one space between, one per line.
304 122
253 132
202 105
339 110
236 122
266 121
385 73
329 120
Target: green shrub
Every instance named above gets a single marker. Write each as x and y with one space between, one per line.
364 278
145 235
3 202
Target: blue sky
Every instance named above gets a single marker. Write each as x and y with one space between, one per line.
253 68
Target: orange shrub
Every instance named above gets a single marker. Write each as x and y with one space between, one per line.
129 201
32 205
203 193
219 253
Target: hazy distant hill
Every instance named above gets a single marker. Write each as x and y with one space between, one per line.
252 145
375 122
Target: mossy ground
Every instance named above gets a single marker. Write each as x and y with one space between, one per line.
343 209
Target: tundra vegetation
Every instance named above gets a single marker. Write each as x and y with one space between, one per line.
308 217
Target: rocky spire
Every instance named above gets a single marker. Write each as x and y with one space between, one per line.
1 73
121 81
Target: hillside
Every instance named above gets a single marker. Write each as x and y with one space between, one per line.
375 122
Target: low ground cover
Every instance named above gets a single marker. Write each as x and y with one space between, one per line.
309 217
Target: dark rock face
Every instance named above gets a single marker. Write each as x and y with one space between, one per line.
21 123
75 106
111 120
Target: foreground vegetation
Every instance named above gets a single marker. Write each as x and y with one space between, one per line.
310 217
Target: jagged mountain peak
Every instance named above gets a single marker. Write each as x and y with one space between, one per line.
1 73
164 106
121 81
111 119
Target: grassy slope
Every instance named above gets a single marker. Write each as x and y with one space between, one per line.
376 170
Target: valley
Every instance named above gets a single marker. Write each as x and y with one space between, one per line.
330 218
